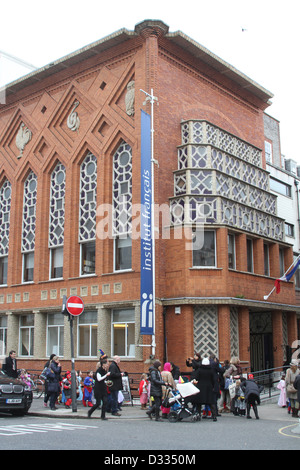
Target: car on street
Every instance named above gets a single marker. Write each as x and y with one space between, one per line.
15 395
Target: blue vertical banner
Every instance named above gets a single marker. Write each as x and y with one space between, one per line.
146 300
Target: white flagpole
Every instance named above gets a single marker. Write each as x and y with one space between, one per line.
152 100
293 263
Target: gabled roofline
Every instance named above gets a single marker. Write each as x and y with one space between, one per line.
180 39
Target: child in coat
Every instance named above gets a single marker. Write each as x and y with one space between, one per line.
282 396
143 391
88 389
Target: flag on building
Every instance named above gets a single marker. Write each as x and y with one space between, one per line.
288 275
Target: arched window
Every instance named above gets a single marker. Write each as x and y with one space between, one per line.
28 227
87 214
57 220
122 206
5 202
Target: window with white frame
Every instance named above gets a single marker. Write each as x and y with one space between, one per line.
28 267
87 334
87 214
55 334
268 151
29 225
26 330
123 333
3 335
123 248
56 262
57 220
204 249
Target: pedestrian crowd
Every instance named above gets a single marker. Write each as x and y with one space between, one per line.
217 388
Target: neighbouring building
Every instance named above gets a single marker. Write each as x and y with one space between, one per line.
70 161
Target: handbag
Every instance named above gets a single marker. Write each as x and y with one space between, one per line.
231 389
290 388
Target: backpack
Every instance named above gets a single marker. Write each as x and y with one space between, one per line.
45 374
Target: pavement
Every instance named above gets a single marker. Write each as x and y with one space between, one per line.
266 411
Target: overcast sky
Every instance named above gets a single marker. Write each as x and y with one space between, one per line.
258 37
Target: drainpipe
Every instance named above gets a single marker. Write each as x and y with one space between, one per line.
298 219
165 334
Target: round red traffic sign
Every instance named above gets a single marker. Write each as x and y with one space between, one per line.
75 305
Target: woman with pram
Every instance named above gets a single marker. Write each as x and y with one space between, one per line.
169 381
204 379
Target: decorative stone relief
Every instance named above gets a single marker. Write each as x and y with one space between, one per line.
23 136
129 98
73 121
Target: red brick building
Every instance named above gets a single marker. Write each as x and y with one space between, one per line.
70 148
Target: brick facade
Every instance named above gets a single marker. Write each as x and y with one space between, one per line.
188 87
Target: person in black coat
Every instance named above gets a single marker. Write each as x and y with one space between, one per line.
296 385
251 391
46 395
156 382
10 365
100 389
54 378
116 377
204 379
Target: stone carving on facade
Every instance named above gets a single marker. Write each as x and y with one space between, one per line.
73 121
23 136
129 98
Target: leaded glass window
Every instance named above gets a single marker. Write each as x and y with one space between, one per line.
57 206
29 213
5 202
88 196
122 190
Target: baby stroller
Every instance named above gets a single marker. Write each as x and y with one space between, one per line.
181 406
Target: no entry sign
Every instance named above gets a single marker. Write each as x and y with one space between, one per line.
75 305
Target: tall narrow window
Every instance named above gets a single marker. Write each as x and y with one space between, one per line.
29 225
87 214
249 255
57 220
87 334
28 265
3 335
55 334
26 335
266 260
281 261
123 333
231 251
122 206
5 202
268 151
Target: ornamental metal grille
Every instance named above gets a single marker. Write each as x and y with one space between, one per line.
122 190
5 202
57 206
206 330
88 196
29 213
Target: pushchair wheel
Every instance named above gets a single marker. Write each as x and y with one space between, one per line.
173 417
